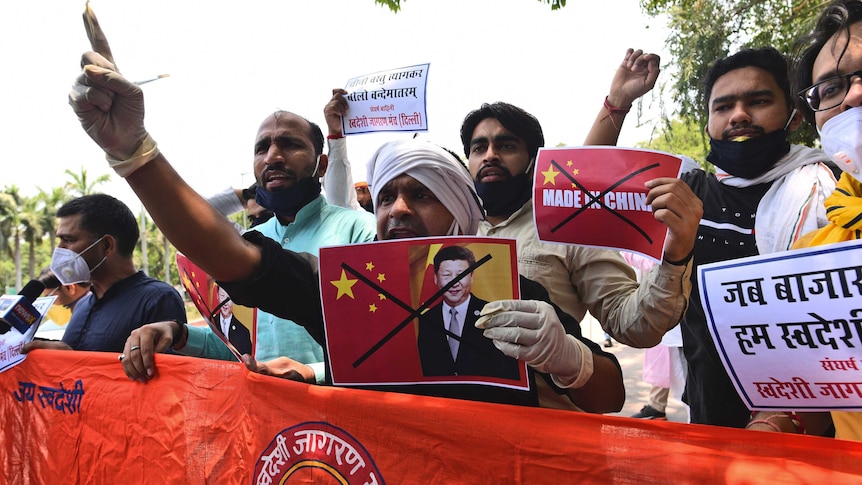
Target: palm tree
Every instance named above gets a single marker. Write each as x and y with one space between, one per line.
32 230
12 230
50 201
8 210
80 185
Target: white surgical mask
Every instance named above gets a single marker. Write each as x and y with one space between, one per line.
842 140
69 267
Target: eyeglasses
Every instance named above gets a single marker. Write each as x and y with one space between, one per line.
828 93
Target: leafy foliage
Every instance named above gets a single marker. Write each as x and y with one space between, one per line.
702 31
395 5
681 138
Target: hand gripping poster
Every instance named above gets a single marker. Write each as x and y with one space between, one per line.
595 196
403 312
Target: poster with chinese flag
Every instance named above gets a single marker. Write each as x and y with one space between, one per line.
217 309
595 196
389 308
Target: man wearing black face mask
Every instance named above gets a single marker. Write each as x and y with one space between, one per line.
501 142
765 193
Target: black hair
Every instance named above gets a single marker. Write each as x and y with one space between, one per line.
453 253
47 278
838 15
522 124
102 214
766 58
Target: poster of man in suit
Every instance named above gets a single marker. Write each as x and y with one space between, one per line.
449 343
229 326
387 312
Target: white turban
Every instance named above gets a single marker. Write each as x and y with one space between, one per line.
436 169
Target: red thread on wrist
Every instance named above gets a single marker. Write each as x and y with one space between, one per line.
612 110
615 110
334 137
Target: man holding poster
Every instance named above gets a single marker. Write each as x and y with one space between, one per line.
502 141
765 193
826 79
418 190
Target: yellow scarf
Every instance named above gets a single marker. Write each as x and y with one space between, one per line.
844 211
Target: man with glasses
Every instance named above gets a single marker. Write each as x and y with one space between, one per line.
764 195
827 77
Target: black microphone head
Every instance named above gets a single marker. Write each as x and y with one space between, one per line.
32 290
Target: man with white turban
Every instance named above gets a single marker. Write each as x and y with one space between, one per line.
439 174
419 190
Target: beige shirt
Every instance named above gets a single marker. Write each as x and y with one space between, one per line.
580 278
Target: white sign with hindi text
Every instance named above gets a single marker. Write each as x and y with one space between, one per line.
788 326
391 100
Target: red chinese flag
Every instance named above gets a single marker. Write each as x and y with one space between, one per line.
595 196
373 293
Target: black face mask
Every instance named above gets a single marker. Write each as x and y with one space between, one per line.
506 196
288 202
750 158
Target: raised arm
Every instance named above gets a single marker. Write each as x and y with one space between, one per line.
111 111
635 77
338 181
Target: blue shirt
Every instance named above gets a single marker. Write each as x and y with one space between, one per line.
317 224
103 324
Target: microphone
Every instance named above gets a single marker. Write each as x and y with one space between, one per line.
18 311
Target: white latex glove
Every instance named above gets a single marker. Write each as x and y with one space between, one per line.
530 330
110 107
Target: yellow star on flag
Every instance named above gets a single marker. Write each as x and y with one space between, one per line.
574 185
569 163
344 285
576 171
433 249
550 175
372 308
381 277
369 266
381 296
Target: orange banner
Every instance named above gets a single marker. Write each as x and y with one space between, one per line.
73 417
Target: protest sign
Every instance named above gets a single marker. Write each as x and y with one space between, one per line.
595 196
788 326
391 100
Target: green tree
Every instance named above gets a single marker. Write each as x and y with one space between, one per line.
21 221
702 31
395 5
683 138
82 184
49 202
32 231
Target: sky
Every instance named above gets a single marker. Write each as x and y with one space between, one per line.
231 64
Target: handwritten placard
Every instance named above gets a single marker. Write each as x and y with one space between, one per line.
387 101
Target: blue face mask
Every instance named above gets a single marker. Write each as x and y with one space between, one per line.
287 202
